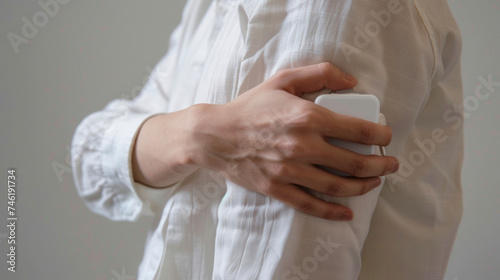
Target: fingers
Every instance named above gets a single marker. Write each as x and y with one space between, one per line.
322 181
354 164
353 129
309 145
307 115
299 199
312 78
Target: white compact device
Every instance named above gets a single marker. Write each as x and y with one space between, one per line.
363 106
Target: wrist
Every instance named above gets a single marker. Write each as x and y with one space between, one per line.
208 127
197 121
161 154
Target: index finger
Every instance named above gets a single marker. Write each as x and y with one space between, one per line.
349 128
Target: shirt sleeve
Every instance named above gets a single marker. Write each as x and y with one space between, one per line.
409 60
102 147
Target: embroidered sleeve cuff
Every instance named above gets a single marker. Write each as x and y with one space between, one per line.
135 199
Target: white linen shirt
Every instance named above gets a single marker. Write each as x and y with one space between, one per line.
407 53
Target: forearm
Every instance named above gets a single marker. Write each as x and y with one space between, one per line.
162 151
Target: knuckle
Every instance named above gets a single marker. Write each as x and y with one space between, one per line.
306 207
292 148
326 68
268 188
306 115
334 189
367 133
280 170
310 115
359 166
330 73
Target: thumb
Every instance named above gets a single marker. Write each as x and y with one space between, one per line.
298 81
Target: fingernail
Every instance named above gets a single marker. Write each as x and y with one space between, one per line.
346 216
395 167
348 77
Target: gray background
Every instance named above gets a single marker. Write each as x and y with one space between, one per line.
91 52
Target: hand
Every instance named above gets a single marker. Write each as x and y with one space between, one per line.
271 141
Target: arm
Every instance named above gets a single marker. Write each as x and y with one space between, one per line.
228 138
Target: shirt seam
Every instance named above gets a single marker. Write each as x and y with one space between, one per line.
432 38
